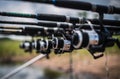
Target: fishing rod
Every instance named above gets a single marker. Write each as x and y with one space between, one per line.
31 31
91 39
65 26
77 38
43 31
94 42
40 23
71 38
59 18
80 5
10 32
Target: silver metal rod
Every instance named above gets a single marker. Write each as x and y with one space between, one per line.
23 66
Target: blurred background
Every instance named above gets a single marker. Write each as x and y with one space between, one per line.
58 66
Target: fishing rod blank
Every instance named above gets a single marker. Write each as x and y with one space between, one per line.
64 26
11 27
80 6
32 31
49 32
59 18
40 23
97 27
10 31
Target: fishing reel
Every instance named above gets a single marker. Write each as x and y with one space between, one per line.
94 41
41 46
61 45
28 46
87 39
58 44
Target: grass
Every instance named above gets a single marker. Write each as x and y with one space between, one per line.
10 48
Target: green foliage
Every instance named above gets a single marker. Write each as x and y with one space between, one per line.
9 48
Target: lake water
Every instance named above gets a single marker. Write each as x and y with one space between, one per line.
38 73
27 73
